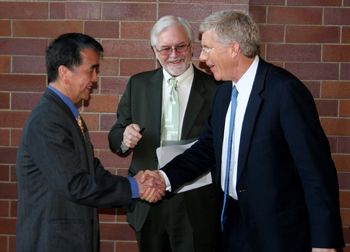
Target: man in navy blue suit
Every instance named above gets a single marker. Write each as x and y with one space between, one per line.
282 183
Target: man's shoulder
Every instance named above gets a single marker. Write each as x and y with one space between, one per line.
49 106
276 72
147 74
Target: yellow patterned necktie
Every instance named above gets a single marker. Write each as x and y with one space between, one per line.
80 123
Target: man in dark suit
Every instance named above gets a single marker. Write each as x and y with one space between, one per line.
280 192
60 183
184 221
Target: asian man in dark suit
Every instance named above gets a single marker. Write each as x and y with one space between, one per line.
60 183
184 221
276 183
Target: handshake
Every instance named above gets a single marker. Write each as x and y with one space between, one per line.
151 185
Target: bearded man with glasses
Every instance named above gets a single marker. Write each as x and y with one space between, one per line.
184 221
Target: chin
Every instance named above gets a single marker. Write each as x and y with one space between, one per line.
217 77
86 97
178 70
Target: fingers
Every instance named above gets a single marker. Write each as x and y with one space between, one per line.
131 135
151 188
155 174
158 180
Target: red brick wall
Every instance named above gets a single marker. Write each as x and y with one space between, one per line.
309 38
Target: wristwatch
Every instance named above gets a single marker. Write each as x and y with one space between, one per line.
123 147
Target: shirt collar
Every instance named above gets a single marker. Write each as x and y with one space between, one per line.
245 83
67 101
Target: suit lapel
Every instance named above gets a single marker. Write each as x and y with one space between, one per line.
194 104
251 114
154 95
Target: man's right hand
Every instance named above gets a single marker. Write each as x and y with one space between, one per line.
151 185
131 135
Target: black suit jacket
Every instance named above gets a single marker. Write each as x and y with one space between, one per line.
287 182
60 183
142 104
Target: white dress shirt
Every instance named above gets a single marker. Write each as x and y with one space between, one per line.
244 87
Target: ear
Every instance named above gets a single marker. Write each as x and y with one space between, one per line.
63 73
234 49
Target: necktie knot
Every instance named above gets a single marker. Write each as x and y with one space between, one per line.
173 83
234 94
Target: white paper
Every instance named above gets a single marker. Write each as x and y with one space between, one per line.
166 153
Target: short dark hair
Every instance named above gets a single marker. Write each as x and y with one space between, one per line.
65 50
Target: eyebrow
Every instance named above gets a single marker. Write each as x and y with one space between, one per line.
94 66
175 45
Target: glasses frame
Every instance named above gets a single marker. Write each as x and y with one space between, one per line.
161 52
206 51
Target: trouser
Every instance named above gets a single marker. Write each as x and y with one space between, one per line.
167 227
234 235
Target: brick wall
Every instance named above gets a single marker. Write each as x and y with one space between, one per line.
309 38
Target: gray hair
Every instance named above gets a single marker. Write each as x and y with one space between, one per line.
234 25
168 21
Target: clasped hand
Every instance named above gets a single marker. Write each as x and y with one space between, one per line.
151 185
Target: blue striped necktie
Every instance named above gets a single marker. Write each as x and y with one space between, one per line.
229 151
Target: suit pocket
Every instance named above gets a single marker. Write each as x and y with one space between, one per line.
67 234
294 215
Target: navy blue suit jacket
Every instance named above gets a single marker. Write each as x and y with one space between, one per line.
287 182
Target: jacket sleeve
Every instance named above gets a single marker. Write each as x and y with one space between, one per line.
311 153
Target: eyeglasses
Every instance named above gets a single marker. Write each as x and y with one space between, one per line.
206 51
178 48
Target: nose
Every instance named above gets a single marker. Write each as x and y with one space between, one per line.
203 57
173 52
94 75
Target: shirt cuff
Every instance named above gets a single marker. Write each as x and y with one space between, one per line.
134 188
167 182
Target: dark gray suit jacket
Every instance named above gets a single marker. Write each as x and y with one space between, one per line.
142 104
60 183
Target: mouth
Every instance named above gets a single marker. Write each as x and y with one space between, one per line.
89 89
176 61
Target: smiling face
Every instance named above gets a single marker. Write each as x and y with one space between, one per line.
175 63
219 58
79 82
